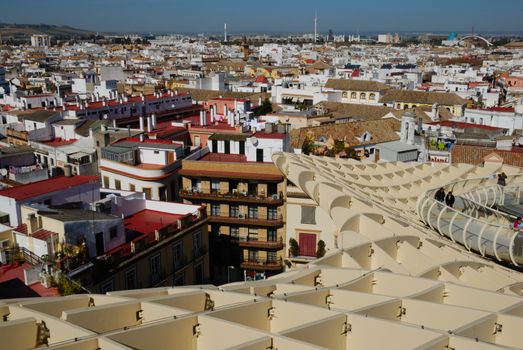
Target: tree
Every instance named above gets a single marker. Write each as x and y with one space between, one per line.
308 146
320 253
68 287
293 247
265 107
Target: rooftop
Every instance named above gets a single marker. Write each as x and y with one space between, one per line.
148 221
48 186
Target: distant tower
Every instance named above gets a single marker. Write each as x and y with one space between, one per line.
316 26
225 32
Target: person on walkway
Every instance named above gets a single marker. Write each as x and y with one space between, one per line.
502 179
440 195
518 224
518 240
449 199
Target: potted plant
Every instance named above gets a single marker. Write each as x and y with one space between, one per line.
293 247
321 249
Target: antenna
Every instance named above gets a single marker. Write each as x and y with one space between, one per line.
315 26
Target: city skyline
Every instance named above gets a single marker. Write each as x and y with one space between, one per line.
401 16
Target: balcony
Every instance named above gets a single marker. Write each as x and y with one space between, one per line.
243 221
262 265
269 245
237 197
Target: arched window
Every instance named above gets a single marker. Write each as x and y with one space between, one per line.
353 96
363 96
344 95
372 96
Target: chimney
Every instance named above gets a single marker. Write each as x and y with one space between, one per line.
141 124
153 118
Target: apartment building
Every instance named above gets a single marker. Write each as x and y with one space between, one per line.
358 91
244 200
166 244
144 165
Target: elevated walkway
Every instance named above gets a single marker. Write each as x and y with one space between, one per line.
474 221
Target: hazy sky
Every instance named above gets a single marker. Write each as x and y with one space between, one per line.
269 15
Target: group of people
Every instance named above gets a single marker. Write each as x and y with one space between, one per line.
448 198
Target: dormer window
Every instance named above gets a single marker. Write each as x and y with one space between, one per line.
366 136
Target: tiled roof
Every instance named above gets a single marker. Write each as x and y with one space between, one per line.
338 109
39 188
475 155
421 97
382 130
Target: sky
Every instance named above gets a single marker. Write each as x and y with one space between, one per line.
208 16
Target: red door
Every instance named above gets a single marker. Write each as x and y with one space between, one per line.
307 244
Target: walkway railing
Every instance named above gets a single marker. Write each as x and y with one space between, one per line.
473 223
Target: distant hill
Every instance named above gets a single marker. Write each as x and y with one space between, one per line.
24 31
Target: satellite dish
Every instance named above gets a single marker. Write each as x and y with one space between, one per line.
254 141
3 172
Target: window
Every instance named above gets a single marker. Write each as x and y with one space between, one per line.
155 266
132 187
259 155
196 185
372 96
198 274
197 243
253 234
272 213
197 141
214 144
242 147
234 210
162 193
235 232
272 235
227 147
215 186
147 192
180 280
233 185
107 287
113 232
345 94
131 279
308 215
353 95
178 255
215 209
272 188
252 189
253 255
253 212
363 96
106 182
156 152
117 184
272 257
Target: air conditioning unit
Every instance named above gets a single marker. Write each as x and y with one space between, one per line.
275 196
